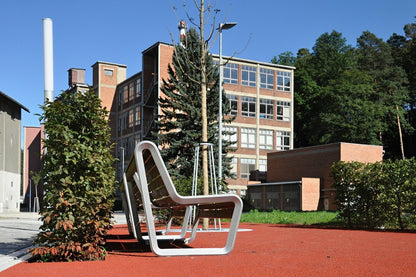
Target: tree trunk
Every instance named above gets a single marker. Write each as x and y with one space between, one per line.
204 107
400 132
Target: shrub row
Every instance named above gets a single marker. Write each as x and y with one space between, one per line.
375 195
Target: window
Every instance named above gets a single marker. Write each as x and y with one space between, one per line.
248 106
283 110
123 121
108 72
266 108
230 134
230 73
282 140
248 137
131 91
138 88
266 78
233 102
125 92
283 80
137 116
131 118
247 165
262 165
266 139
248 76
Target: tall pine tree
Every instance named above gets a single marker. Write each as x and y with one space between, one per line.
180 122
375 57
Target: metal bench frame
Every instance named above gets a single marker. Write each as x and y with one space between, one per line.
211 206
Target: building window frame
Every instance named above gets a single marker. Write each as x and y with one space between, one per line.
233 103
248 137
138 89
282 110
282 140
266 108
263 165
266 139
108 72
137 116
131 91
248 106
248 75
125 92
283 81
230 73
266 78
246 165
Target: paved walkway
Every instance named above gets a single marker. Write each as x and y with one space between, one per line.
17 231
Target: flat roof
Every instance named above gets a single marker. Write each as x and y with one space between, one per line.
14 101
226 57
275 183
254 62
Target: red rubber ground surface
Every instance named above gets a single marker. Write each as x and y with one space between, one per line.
267 250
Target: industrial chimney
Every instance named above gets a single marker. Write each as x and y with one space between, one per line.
76 76
48 59
182 31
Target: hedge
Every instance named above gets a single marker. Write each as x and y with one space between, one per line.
376 195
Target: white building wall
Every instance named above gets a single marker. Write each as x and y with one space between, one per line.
9 192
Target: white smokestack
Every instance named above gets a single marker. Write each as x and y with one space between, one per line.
48 59
182 31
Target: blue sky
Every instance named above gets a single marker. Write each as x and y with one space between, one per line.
118 31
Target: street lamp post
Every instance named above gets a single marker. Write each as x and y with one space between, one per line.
122 160
222 26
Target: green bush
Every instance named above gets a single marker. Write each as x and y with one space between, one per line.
79 179
376 194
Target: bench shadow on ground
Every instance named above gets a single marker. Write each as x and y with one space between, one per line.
126 244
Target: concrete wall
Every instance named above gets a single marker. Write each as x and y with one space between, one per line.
10 155
310 194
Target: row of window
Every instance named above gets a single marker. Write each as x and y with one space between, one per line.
129 91
129 119
248 107
249 77
248 138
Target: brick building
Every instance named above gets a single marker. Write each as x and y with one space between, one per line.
286 187
260 95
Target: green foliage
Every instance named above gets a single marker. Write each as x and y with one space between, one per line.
285 58
351 115
404 55
361 95
375 195
79 179
180 122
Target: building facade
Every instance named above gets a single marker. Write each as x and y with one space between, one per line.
10 153
260 96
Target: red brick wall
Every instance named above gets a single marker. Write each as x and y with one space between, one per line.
316 162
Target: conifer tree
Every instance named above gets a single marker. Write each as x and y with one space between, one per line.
180 122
